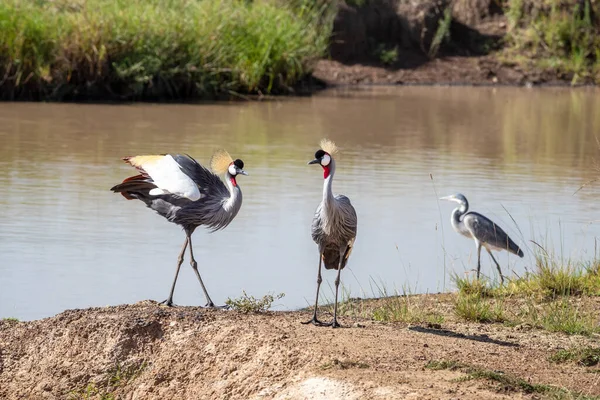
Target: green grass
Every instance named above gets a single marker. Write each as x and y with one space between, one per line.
386 306
545 298
171 49
11 320
507 381
558 295
552 277
551 34
474 308
585 356
559 315
405 308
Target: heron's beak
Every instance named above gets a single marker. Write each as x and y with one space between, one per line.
241 171
315 161
449 198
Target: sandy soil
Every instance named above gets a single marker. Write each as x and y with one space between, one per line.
145 351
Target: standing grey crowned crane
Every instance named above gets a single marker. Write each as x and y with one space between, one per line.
482 230
333 227
187 194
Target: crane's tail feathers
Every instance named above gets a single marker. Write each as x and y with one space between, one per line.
331 257
137 183
520 253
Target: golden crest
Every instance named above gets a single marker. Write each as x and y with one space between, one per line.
329 146
220 161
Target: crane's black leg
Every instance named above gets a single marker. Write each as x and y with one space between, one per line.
194 264
478 259
169 302
497 265
334 323
314 319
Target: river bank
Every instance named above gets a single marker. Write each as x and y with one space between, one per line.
225 49
152 352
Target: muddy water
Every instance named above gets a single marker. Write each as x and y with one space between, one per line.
66 241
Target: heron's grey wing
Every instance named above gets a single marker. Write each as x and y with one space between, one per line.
209 183
486 231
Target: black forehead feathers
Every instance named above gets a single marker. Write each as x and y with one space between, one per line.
239 163
319 154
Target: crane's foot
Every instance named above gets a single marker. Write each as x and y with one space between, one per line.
315 322
334 324
168 303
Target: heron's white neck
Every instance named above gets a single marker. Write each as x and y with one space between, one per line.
456 218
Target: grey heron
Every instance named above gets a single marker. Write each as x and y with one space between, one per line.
187 194
333 228
482 230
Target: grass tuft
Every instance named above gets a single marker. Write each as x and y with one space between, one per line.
587 357
250 304
473 307
507 381
473 286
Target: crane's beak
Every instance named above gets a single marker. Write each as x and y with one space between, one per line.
241 171
315 161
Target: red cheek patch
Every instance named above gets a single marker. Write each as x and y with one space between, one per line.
325 171
233 182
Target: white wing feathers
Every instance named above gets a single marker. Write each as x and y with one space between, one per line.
167 176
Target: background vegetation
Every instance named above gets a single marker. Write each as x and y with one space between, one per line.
175 49
65 49
555 34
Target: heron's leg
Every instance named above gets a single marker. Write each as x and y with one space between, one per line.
314 319
497 265
169 302
334 323
194 264
478 259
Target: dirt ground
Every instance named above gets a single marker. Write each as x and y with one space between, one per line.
452 70
146 351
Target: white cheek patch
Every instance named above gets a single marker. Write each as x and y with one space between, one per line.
232 170
325 160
